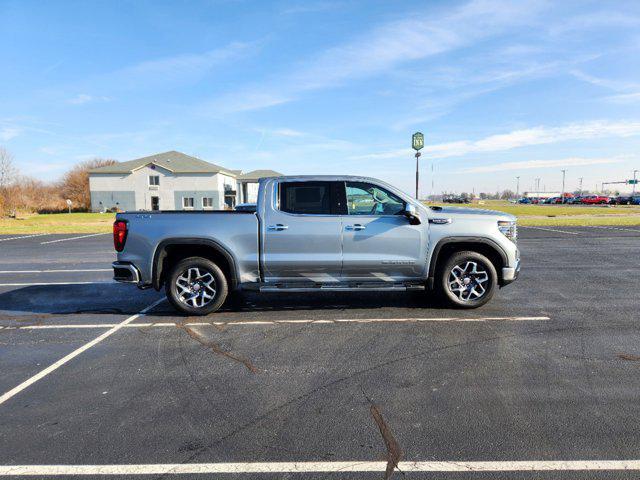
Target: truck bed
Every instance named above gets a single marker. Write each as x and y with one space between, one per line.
236 232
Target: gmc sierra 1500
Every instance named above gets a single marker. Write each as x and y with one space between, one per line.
318 233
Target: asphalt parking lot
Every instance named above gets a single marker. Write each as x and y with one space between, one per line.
543 382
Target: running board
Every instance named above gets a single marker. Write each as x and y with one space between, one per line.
341 288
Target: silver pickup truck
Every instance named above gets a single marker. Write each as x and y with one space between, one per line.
318 233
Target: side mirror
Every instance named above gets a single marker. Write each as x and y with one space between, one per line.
411 212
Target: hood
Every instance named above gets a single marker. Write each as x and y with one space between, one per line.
464 211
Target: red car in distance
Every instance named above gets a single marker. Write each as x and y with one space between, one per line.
595 199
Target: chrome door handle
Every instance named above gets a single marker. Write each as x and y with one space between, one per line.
356 227
277 227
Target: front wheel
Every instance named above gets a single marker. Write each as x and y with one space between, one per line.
196 286
467 280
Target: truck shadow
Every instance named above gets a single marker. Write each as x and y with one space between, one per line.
117 299
273 302
105 298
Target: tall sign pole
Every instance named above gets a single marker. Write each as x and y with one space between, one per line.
563 175
417 142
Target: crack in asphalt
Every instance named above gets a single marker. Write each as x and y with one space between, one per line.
216 348
303 396
629 357
394 453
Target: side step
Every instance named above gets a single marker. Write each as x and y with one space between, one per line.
358 287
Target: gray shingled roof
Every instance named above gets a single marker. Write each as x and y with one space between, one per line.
173 161
258 174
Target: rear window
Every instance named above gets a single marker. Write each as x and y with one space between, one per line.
310 198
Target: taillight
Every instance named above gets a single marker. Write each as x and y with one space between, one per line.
119 234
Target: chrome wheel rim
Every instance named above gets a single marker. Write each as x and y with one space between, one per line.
468 281
196 287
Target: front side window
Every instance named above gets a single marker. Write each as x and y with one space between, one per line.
154 180
187 202
207 202
309 198
368 199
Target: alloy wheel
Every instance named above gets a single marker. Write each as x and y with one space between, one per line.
468 281
196 287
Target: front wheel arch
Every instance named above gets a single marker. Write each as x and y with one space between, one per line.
449 246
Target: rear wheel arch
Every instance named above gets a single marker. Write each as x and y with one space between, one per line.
446 247
171 251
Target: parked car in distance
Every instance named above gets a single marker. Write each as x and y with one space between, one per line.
622 200
635 200
553 200
575 200
525 201
314 234
595 200
246 207
455 199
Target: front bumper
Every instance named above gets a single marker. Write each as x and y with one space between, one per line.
510 274
125 272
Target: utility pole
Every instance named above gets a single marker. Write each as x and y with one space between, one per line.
580 189
564 172
634 182
517 187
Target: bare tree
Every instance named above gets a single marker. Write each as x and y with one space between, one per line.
8 171
75 183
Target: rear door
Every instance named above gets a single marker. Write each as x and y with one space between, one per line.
379 243
303 232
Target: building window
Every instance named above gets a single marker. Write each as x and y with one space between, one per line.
207 202
154 180
187 202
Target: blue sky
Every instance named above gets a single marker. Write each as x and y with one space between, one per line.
500 89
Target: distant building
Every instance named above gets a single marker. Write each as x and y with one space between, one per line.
171 181
248 184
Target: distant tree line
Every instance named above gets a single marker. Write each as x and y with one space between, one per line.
21 194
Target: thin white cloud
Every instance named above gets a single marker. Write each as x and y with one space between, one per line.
519 138
286 132
386 48
533 164
83 98
625 98
7 133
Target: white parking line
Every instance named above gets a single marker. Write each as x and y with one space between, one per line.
279 322
320 467
43 373
549 230
602 227
73 238
59 271
41 284
22 236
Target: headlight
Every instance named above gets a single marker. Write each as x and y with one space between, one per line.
509 229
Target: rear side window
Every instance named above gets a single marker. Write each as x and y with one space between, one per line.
309 198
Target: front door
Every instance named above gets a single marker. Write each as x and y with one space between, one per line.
379 243
303 233
155 203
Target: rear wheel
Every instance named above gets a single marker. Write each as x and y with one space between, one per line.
467 280
196 286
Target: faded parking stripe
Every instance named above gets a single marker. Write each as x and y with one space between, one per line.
43 373
287 322
321 467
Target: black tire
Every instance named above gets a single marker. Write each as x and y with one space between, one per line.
465 260
199 287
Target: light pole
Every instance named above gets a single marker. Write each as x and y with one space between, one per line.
564 172
417 142
633 192
517 187
580 189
